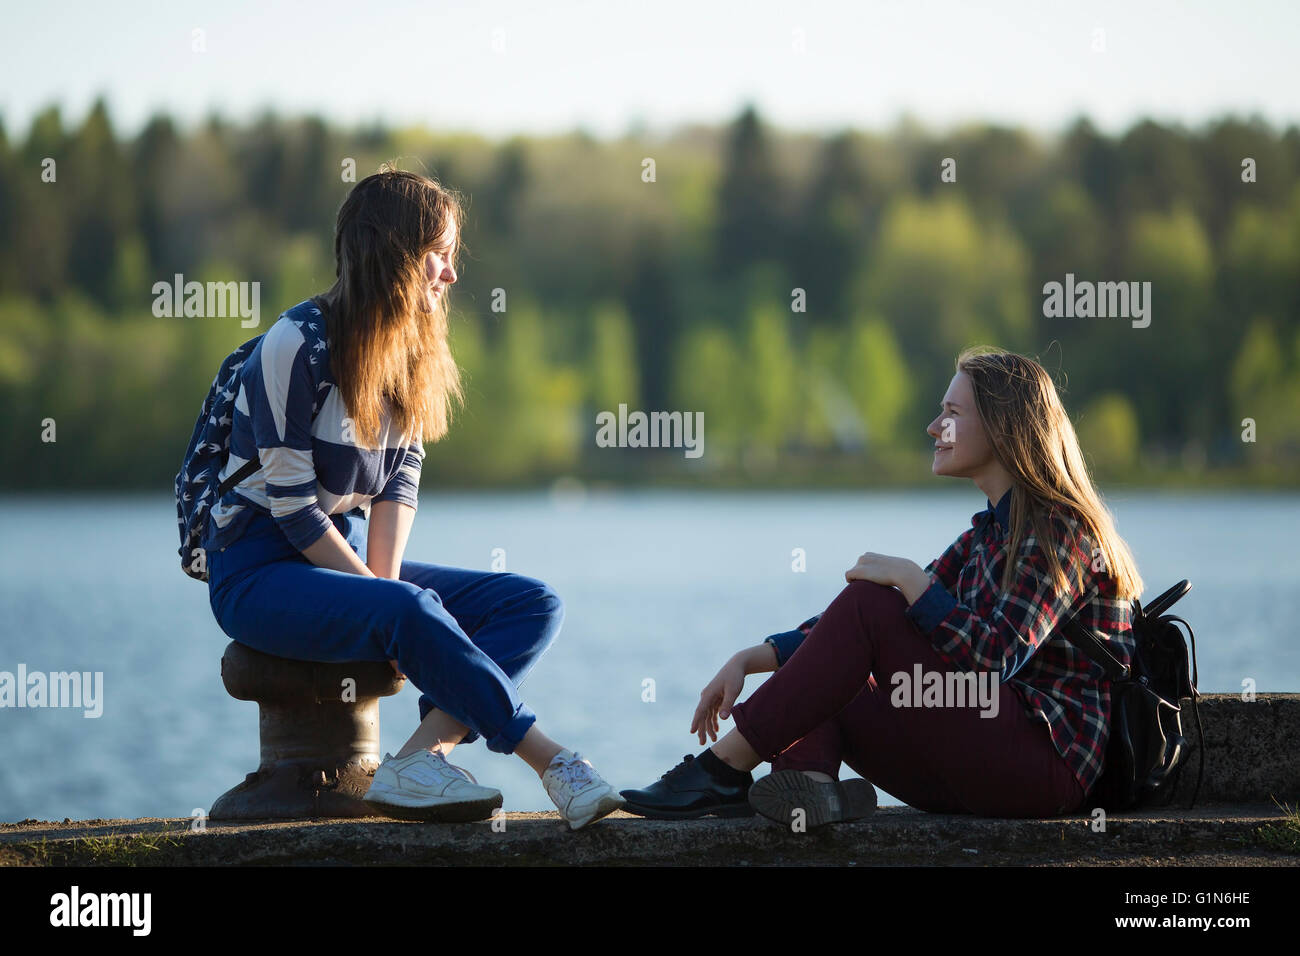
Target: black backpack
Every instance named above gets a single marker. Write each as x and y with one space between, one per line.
1146 750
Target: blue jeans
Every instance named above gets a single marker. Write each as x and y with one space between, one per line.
466 639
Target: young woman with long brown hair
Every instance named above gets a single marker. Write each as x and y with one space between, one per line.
305 556
989 607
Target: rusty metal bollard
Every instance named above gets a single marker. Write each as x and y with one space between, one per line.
320 741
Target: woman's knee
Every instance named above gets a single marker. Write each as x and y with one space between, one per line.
537 598
414 609
873 595
875 611
406 597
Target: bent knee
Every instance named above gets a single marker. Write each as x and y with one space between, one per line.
411 600
873 593
549 602
538 598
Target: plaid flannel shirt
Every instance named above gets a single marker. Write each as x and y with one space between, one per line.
974 627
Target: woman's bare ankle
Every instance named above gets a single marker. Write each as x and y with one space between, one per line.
819 776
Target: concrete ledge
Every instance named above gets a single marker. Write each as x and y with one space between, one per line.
1252 749
1252 766
893 836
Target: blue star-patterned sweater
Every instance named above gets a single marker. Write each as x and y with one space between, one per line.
311 469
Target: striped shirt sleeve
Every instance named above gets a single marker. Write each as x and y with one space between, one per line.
282 394
1025 615
404 486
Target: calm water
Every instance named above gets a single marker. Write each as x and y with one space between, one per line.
656 585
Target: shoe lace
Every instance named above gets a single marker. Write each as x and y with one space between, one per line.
441 758
575 772
684 765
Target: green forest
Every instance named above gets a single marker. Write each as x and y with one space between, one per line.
808 294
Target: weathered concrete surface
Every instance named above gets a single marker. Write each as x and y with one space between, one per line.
1252 765
1252 749
893 836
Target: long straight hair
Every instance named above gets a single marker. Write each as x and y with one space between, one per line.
1034 440
385 346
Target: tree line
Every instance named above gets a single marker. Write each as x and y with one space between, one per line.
808 294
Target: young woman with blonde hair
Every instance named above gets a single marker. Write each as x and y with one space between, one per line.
1044 549
305 555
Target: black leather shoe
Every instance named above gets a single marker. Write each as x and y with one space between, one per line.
688 791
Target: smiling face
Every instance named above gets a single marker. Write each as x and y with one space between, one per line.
438 269
962 447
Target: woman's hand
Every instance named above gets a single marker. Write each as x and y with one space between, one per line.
902 573
718 696
881 568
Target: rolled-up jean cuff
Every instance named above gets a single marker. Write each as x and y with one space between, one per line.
507 739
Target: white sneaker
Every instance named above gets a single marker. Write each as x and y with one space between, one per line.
577 790
423 786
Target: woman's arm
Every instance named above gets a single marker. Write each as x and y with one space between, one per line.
787 642
1023 618
759 659
393 510
390 526
948 565
332 551
720 693
280 387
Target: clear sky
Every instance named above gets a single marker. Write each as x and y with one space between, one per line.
506 67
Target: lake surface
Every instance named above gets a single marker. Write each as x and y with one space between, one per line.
658 585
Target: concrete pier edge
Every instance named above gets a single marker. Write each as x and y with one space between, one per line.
1245 814
1241 835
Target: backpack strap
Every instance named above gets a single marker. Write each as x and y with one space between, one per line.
1092 646
246 469
1167 600
250 466
1200 728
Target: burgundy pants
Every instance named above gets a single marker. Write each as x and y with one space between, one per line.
830 702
